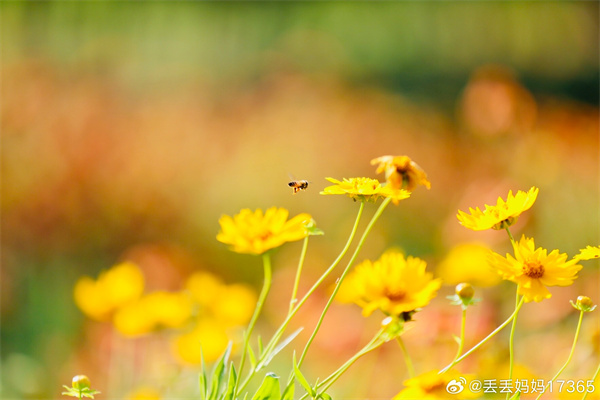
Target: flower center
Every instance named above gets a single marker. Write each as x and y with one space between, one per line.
395 294
533 270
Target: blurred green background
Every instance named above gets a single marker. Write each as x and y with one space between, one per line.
128 128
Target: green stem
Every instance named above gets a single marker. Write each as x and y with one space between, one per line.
568 358
294 300
461 344
511 342
330 380
277 335
267 279
512 239
341 279
407 360
593 379
488 337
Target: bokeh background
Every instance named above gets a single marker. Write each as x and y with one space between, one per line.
129 128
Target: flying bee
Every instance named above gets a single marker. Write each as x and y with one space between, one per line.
298 185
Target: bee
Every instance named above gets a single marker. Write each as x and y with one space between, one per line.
298 185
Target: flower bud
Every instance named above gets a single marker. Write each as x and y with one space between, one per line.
81 382
584 303
465 291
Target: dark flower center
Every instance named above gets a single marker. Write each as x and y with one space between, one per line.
533 270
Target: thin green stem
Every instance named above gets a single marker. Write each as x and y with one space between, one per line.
294 300
407 360
568 358
488 337
279 332
359 246
461 343
511 342
512 239
593 379
267 279
330 380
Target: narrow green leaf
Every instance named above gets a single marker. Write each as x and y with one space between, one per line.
280 347
456 339
260 346
516 396
202 377
251 357
231 381
269 388
218 374
288 393
324 396
301 379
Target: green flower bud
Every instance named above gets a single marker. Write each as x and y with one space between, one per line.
465 291
584 303
81 382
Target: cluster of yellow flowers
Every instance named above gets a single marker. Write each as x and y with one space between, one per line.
397 285
206 311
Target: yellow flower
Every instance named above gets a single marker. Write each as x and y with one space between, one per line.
364 189
254 232
431 386
235 305
208 338
401 172
468 262
533 269
589 253
500 216
204 288
114 288
393 284
153 311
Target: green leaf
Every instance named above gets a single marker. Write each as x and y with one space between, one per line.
231 381
301 379
288 393
260 346
251 357
202 378
456 339
516 396
218 374
280 347
269 388
324 396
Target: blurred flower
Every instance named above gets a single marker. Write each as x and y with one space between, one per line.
401 172
204 287
533 269
393 284
235 305
144 393
589 253
468 262
153 311
254 232
364 189
114 288
432 385
500 216
208 339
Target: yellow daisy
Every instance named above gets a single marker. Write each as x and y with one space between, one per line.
500 216
589 253
254 232
533 269
401 172
394 284
364 189
432 385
